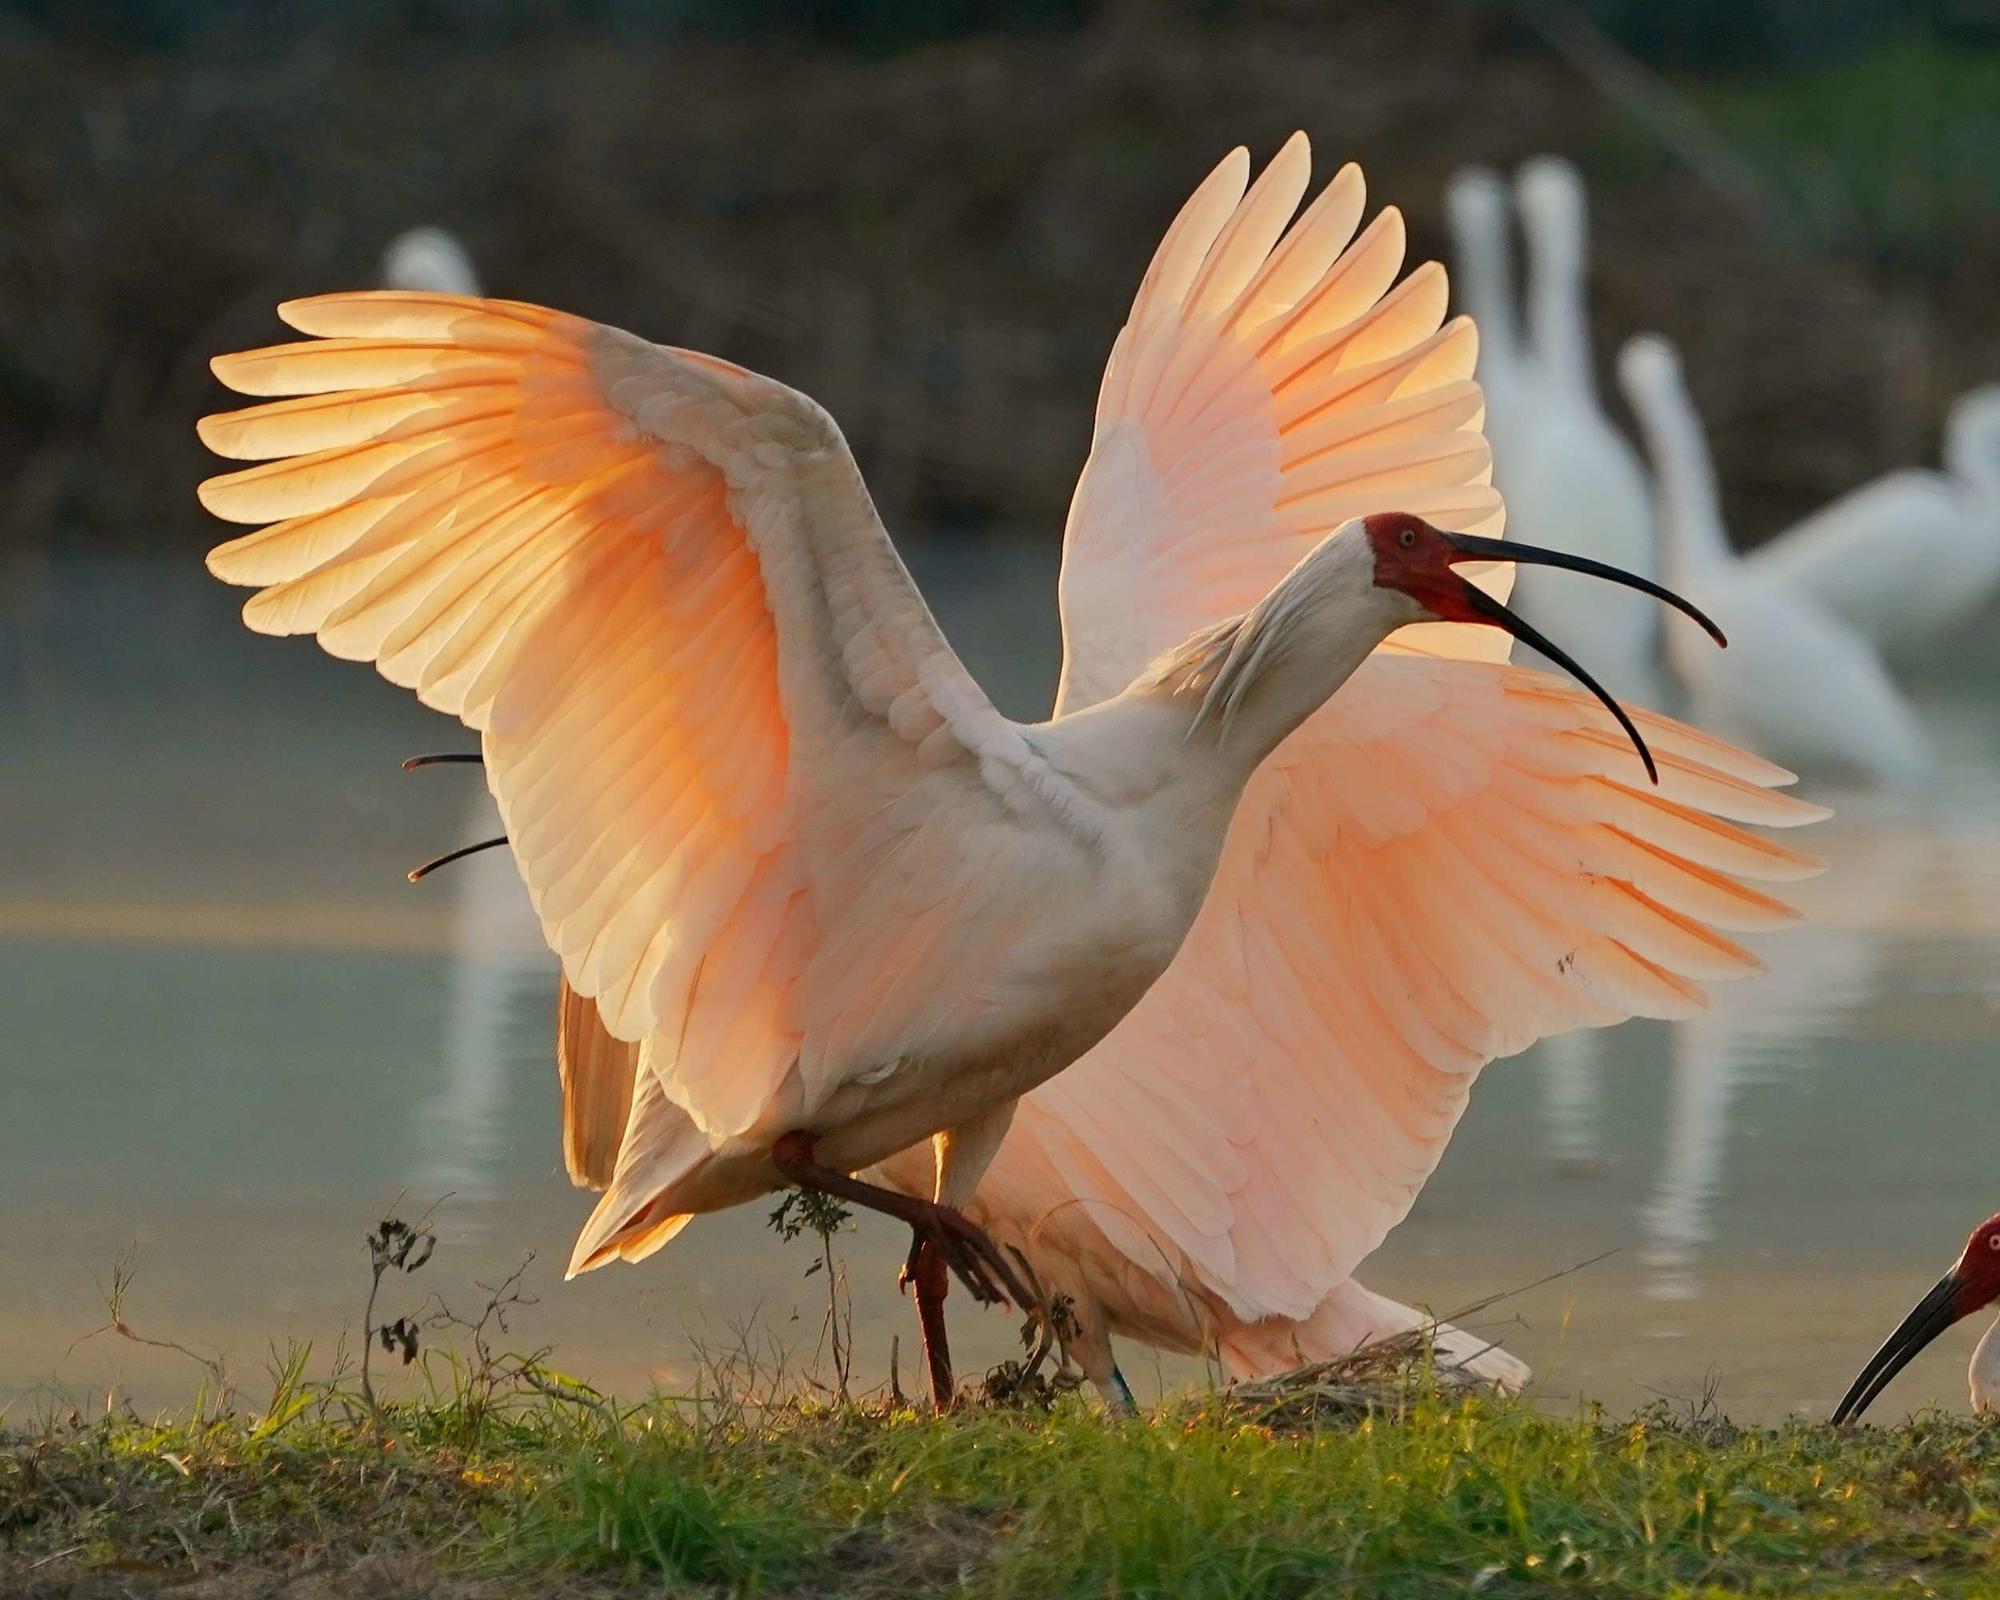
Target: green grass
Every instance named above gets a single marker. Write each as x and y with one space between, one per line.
1424 1494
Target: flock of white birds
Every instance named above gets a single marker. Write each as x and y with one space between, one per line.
1817 615
1208 1176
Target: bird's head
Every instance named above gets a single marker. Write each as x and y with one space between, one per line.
1419 562
1549 193
1972 1284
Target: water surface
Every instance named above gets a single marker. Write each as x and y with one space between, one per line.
236 1037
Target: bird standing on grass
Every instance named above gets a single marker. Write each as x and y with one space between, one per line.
772 828
1449 859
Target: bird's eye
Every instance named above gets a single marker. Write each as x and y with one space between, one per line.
1407 538
1993 1241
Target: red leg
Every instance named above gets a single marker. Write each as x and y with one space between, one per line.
932 1279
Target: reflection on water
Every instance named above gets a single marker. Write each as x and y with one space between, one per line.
236 1035
500 994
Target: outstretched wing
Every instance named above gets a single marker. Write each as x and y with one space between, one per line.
1270 384
1449 861
715 712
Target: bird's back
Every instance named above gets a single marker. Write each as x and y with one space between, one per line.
1798 684
1906 559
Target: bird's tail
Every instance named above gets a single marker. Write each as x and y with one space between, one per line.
1352 1317
662 1151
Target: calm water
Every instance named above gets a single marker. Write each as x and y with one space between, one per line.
236 1037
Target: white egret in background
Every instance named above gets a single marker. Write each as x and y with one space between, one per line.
1969 1287
1800 684
1565 469
1854 557
1478 212
1450 858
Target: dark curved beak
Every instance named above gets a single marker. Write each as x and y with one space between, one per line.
1470 547
1928 1318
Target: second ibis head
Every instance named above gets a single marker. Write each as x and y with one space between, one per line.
1972 1284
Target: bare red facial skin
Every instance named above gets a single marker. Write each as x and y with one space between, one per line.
1412 556
1978 1269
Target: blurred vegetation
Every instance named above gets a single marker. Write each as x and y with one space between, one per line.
933 217
1902 185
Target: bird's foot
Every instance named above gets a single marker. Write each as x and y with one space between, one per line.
962 1245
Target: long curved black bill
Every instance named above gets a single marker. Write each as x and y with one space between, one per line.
1928 1318
1474 548
1483 603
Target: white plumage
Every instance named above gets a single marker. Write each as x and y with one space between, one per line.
1909 559
429 260
1569 475
1797 683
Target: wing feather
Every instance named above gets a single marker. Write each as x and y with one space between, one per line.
1270 383
1304 1060
655 584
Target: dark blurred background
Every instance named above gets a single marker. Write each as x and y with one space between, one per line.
933 216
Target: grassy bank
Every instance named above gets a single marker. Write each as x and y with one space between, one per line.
1415 1493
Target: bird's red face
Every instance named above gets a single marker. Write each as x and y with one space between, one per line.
1416 559
1972 1283
1978 1269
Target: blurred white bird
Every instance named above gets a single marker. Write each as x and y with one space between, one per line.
500 966
1477 211
1798 684
1569 476
428 260
1913 556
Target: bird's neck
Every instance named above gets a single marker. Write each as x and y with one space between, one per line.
1558 318
1984 1372
1693 541
1485 278
1256 679
1972 445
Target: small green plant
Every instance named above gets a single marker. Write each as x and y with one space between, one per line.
810 1211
